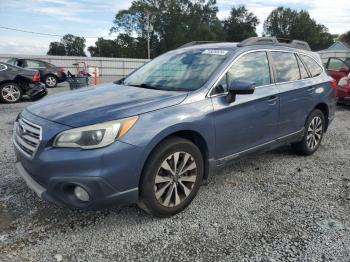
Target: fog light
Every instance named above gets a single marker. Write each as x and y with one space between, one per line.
81 194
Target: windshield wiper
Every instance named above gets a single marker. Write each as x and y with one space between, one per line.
147 86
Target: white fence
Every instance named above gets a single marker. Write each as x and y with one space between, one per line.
117 67
325 54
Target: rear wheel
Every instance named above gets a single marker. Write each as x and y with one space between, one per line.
10 93
171 178
314 130
51 81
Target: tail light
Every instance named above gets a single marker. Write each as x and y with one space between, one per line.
36 77
334 83
61 69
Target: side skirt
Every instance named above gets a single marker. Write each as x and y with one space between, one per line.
291 138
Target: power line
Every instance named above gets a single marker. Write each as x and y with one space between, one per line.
43 34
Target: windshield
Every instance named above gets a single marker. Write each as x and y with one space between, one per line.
178 70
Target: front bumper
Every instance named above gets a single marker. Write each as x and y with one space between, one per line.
345 100
60 191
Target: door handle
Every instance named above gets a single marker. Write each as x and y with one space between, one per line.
272 100
311 89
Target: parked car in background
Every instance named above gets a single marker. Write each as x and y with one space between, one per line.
153 137
16 82
338 67
50 74
343 90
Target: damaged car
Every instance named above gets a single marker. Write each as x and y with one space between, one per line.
16 82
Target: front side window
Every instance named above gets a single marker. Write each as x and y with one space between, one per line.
314 68
286 65
252 67
178 70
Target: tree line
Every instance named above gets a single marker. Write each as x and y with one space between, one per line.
175 23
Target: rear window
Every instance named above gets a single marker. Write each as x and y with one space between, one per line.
286 66
314 68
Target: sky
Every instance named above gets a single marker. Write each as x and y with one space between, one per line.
93 18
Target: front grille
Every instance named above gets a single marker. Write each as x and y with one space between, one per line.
26 137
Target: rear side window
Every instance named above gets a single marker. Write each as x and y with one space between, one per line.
304 74
314 68
2 67
32 64
286 65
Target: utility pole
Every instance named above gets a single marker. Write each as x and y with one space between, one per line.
149 29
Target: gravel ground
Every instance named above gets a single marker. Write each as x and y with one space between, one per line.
271 207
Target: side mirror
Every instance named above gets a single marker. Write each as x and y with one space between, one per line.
344 70
239 87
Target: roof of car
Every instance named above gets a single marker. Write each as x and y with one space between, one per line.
252 43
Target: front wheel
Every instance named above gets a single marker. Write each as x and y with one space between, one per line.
10 93
314 130
171 177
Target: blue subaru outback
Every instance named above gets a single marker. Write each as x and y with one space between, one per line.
153 137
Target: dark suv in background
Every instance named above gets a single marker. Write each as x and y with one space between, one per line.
50 74
153 137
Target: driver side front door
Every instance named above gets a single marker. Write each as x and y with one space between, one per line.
251 120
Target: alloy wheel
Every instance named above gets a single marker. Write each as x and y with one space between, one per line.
314 132
51 81
175 179
11 93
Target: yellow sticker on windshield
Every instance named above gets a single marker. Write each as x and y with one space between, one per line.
214 52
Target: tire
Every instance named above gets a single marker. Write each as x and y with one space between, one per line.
51 81
10 93
163 194
314 130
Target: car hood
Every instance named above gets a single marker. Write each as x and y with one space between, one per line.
102 103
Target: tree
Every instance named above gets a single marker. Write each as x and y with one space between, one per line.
56 48
293 24
72 46
105 48
240 25
174 22
345 37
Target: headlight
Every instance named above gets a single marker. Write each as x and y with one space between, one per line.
343 81
95 136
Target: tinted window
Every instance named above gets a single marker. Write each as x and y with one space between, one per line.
304 74
286 65
2 67
314 68
252 67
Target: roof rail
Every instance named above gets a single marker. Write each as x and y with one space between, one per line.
199 43
275 41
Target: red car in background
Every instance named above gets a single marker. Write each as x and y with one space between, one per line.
343 90
339 69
